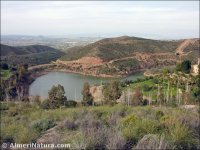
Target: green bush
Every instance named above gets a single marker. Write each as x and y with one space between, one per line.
17 132
13 111
43 125
44 104
159 114
146 88
70 103
3 106
181 136
134 128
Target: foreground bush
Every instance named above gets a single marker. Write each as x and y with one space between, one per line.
43 125
153 142
103 127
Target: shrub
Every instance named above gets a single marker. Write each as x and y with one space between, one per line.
181 136
152 141
17 132
115 140
70 124
25 135
45 104
37 100
13 111
79 142
134 128
159 114
129 120
146 88
112 120
94 132
4 66
89 123
43 125
70 103
3 106
96 138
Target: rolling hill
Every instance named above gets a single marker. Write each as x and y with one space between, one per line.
32 55
124 55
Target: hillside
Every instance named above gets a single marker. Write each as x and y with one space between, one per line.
113 48
124 55
33 54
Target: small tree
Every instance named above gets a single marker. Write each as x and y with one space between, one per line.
4 66
87 96
57 96
186 66
111 92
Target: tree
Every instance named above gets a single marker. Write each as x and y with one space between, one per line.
186 66
4 66
111 92
87 96
57 96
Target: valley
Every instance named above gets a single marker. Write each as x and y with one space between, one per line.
131 88
100 75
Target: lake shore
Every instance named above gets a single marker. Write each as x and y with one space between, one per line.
37 71
37 74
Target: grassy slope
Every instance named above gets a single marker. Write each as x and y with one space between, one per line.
32 55
126 125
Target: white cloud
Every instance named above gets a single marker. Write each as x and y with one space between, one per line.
97 17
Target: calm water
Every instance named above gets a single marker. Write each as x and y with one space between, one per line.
73 83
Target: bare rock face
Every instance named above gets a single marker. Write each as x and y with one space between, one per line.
16 88
50 136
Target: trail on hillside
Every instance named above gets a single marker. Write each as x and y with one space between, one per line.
39 66
183 45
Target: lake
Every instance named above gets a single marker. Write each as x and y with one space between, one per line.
73 83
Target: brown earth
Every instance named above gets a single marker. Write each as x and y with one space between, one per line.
91 65
183 45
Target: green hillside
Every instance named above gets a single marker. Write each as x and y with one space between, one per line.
114 48
32 55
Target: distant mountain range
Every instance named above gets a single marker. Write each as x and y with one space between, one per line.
32 54
123 55
61 43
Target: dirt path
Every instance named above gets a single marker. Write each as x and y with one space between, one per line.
183 45
40 66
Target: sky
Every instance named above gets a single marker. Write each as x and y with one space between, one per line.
153 19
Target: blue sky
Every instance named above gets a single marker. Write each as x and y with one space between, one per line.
170 20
